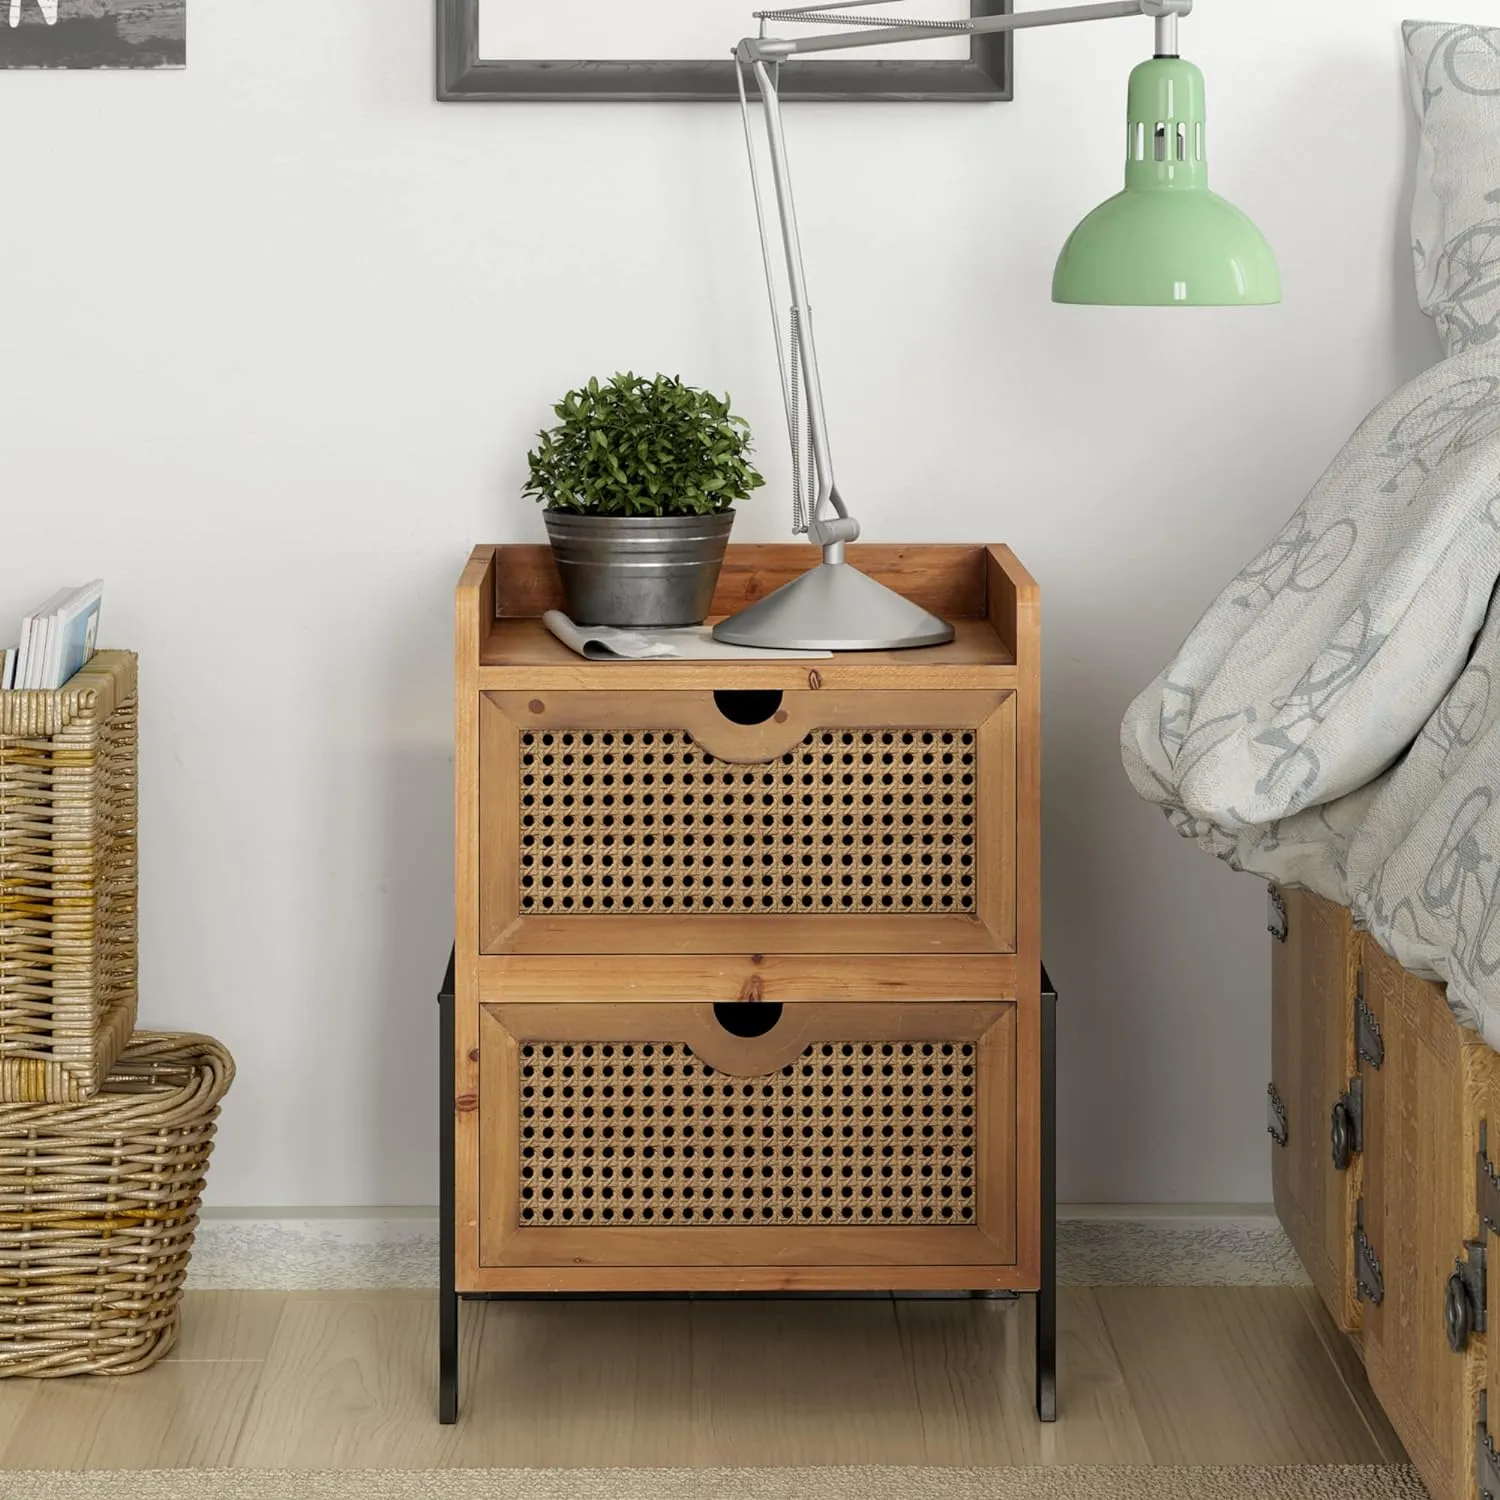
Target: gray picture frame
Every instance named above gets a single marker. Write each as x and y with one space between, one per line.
464 77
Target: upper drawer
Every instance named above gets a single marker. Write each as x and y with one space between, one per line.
778 822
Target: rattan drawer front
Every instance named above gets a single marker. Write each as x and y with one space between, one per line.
653 1135
647 823
842 822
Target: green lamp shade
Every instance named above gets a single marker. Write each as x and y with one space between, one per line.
1167 241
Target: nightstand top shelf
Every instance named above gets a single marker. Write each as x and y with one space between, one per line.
979 589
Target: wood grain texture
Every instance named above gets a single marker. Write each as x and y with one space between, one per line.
986 685
1347 1357
1231 1375
1014 604
606 1383
524 656
1421 1135
472 606
826 1379
347 1382
637 1116
659 800
588 979
680 935
747 1276
228 1326
798 1028
1485 1102
971 1363
1313 982
949 580
173 1416
996 837
698 715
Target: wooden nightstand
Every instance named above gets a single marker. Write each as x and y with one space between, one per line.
747 992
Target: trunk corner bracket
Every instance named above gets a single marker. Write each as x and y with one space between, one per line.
1486 1186
1368 1042
1277 924
1486 1460
1369 1282
1275 1116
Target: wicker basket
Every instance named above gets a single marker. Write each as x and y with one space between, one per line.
98 1206
67 882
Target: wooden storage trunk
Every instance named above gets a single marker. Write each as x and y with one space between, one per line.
748 977
67 882
1385 1182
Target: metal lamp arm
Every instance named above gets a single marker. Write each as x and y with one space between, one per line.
778 48
801 376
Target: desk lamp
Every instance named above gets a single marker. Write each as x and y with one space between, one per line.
1166 241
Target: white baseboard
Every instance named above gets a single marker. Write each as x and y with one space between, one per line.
388 1249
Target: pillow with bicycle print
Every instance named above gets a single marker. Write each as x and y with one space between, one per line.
1455 85
1310 676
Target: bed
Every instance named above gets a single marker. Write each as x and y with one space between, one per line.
1333 722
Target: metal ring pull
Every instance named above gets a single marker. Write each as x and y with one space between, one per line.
1458 1312
1342 1134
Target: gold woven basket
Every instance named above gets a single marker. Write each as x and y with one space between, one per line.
98 1208
67 882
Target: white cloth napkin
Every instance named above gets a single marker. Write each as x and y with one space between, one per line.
689 643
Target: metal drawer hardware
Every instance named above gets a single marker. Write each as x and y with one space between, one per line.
1275 1116
1277 926
1464 1299
1348 1122
1347 1127
1486 1185
1369 1045
1369 1282
1486 1460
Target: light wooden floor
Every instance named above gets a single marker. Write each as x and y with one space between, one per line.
1149 1375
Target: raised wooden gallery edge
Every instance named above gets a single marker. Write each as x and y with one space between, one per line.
974 587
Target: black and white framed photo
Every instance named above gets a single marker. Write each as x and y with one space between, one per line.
93 33
517 50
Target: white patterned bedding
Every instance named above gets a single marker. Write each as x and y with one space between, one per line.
1334 719
1331 722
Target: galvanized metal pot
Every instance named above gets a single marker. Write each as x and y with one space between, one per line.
638 570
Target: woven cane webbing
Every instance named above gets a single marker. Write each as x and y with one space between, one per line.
644 1133
850 821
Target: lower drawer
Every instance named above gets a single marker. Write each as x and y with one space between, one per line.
749 1135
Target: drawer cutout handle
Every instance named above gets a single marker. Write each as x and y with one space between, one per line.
747 1018
749 1038
748 706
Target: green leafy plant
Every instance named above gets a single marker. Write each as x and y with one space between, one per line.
638 447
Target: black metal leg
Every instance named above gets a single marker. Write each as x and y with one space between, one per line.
1046 1300
447 1295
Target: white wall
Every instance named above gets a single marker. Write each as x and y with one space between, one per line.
276 331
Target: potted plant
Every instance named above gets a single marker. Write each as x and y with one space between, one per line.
639 477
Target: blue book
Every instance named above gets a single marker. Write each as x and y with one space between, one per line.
75 630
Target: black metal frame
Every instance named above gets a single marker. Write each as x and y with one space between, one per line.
463 76
447 1202
449 1296
1046 1297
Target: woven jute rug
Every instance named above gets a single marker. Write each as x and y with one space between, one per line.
1300 1483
